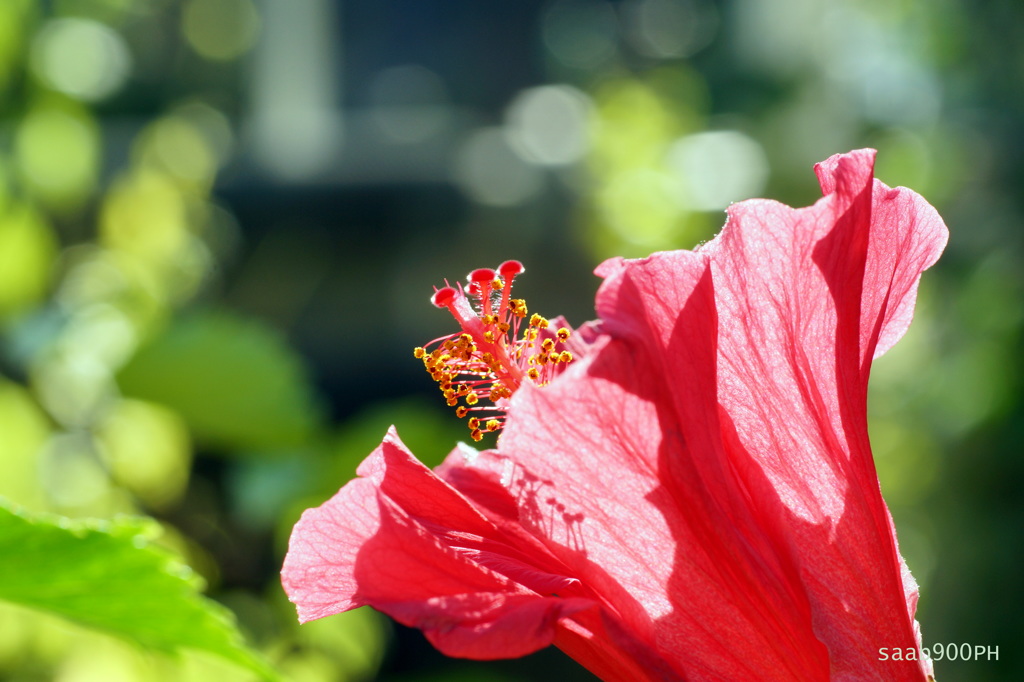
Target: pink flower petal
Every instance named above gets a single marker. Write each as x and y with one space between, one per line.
406 543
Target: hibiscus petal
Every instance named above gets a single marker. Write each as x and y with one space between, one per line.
658 555
394 538
778 398
896 257
761 343
807 317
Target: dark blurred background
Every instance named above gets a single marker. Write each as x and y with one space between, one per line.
221 221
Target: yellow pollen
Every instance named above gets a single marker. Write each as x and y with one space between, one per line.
491 319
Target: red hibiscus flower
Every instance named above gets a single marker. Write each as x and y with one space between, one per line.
684 489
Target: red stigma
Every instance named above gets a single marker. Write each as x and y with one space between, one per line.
481 276
511 268
444 297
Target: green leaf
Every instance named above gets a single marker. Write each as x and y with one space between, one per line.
107 575
235 381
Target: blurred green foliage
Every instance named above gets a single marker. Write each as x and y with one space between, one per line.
166 352
236 385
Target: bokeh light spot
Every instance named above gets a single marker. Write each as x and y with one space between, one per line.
147 449
491 173
145 215
25 429
27 250
81 58
548 125
638 206
71 386
71 474
57 151
221 30
174 145
717 168
213 125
